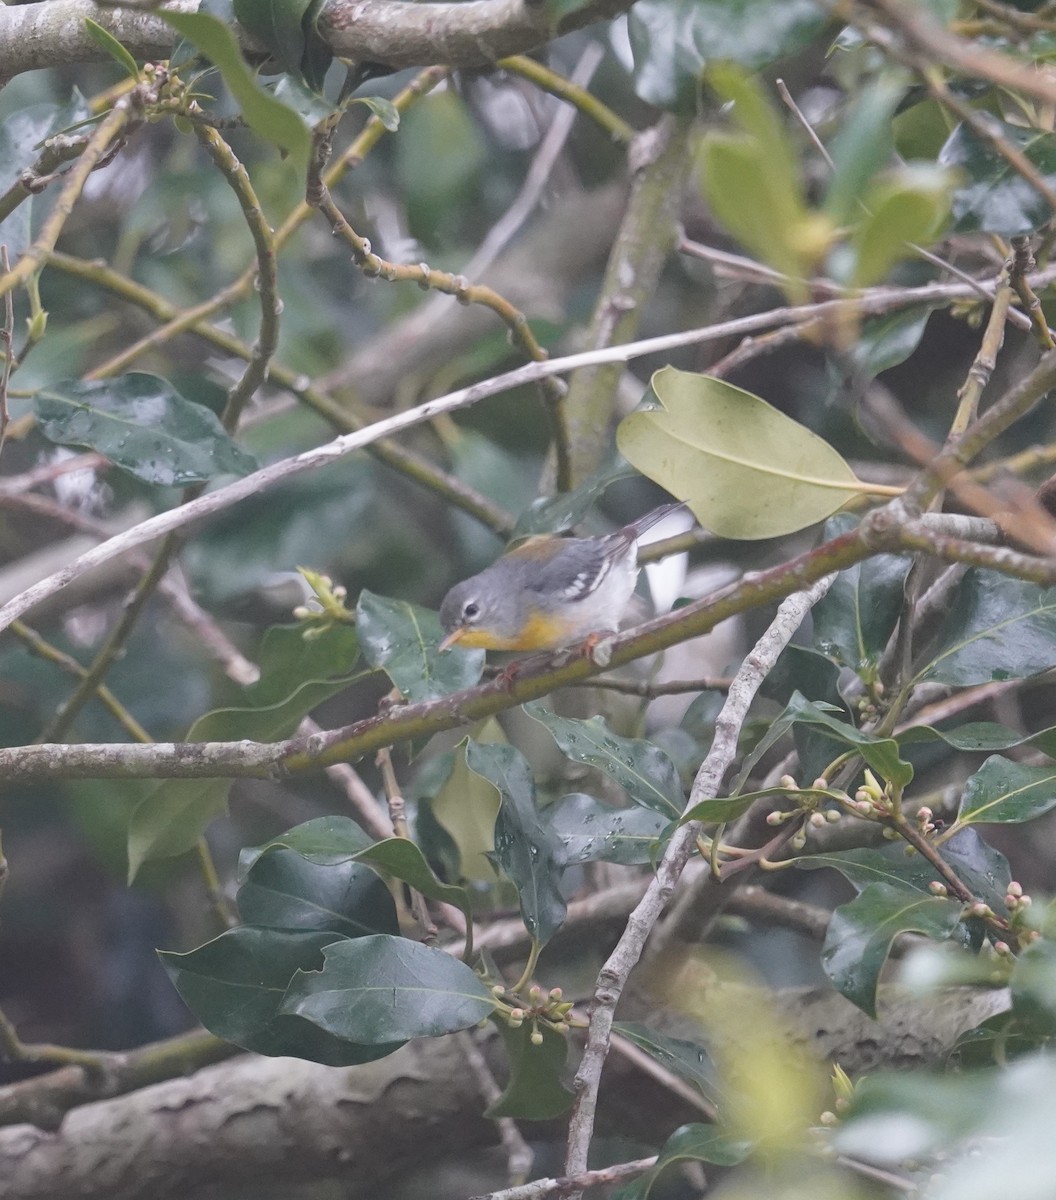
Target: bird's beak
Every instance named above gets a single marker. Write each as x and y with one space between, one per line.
454 636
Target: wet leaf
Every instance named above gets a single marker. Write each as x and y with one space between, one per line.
861 932
590 831
996 628
642 769
401 639
1007 792
377 990
673 40
527 850
143 425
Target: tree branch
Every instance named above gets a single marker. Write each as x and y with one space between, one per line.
398 33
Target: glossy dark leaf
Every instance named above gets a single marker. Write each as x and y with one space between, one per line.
799 668
1007 792
277 25
401 639
339 840
673 40
881 754
285 891
996 628
403 860
687 1060
143 425
857 616
982 869
885 342
860 934
235 984
689 1143
377 990
534 1091
643 770
594 832
980 736
526 849
323 840
995 197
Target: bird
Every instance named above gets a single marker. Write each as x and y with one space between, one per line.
548 591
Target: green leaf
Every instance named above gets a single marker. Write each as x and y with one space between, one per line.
526 849
860 934
909 205
401 639
981 736
142 424
673 40
689 1143
534 1091
235 984
330 841
466 808
981 868
173 815
377 990
266 116
799 668
855 619
323 840
882 754
995 198
1006 792
555 514
283 890
688 1060
746 469
594 832
403 860
996 628
277 24
110 45
312 108
641 768
1033 987
386 112
862 147
20 137
885 342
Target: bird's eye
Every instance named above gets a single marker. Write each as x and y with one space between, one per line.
470 610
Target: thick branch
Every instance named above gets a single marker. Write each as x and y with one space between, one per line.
399 33
184 760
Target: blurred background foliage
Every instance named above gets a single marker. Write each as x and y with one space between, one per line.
77 944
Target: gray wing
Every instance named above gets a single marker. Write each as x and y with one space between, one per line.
580 567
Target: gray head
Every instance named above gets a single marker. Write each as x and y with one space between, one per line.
482 611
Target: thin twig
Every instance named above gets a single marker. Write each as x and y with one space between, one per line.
619 964
519 1155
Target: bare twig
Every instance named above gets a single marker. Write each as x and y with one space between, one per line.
618 966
